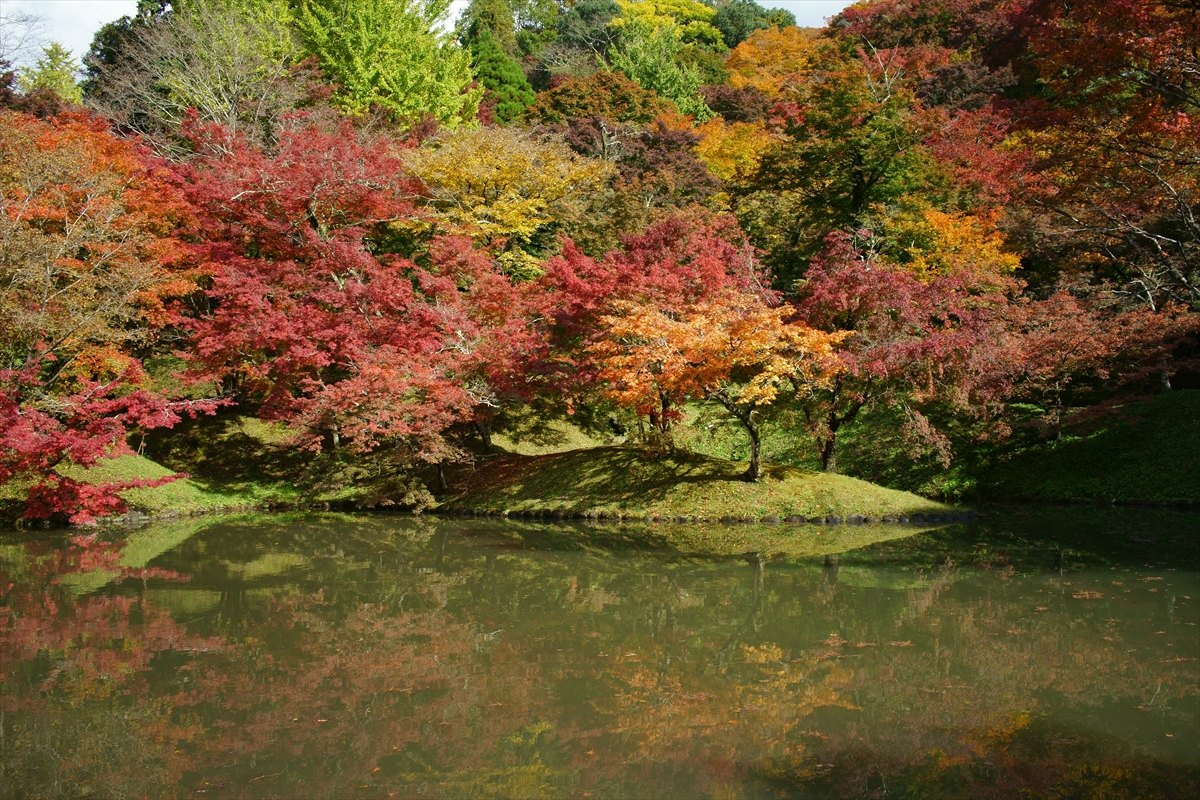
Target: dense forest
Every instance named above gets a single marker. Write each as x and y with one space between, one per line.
975 222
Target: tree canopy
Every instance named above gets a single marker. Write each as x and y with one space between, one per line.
340 217
390 54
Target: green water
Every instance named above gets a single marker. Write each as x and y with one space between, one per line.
1042 653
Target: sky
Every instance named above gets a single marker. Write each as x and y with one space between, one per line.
72 23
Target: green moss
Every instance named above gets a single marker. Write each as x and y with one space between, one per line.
551 436
622 479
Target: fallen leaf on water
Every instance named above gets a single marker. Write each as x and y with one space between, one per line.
1087 595
866 644
900 644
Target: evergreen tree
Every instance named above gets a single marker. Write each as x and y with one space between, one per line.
502 77
737 20
55 71
494 17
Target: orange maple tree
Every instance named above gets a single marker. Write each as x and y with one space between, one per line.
732 349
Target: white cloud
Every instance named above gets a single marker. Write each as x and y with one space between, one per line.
73 23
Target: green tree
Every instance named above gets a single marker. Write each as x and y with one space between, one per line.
493 17
852 156
737 20
586 26
692 20
502 77
536 24
393 55
55 71
647 56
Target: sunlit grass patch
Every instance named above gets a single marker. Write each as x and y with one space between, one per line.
624 479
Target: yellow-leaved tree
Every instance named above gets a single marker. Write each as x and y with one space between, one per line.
931 242
732 150
771 60
732 349
508 189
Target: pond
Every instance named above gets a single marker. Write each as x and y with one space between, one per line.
1046 651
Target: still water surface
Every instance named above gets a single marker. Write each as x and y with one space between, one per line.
1048 653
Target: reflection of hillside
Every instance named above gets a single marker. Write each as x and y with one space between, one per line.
316 657
893 579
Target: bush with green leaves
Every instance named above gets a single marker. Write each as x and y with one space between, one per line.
392 55
648 57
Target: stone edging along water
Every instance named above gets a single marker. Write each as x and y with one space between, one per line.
559 515
135 518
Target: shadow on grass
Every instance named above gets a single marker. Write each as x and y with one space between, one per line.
604 475
220 454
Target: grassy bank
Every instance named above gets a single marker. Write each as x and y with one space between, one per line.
185 495
1151 451
620 479
236 461
1144 451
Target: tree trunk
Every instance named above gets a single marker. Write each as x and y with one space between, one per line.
754 472
664 418
829 454
484 429
441 478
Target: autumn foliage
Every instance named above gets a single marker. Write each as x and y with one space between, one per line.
89 246
732 348
934 208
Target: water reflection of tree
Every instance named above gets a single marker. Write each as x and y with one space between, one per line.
75 717
408 661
